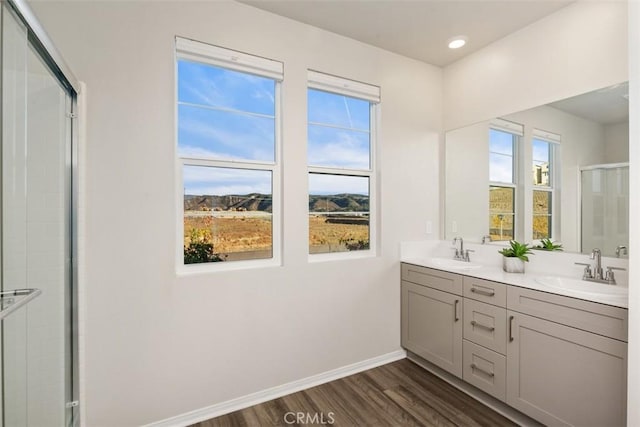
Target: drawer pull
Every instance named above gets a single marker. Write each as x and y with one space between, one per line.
477 368
455 311
510 328
482 292
480 325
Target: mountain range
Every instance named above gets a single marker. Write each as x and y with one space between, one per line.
345 202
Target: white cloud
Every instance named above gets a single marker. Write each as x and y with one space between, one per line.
200 180
346 152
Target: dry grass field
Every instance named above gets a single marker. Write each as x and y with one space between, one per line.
327 237
243 233
501 201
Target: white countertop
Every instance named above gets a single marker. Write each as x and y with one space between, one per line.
614 295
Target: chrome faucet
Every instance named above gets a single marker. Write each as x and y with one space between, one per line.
486 238
621 248
596 274
460 253
596 254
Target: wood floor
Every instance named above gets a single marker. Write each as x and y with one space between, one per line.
398 394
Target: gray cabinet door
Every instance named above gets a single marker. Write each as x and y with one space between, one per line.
432 326
560 375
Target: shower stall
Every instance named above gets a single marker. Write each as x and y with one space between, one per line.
605 208
38 346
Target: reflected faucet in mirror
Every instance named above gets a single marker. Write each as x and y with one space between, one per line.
621 248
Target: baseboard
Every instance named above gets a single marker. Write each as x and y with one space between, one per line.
275 392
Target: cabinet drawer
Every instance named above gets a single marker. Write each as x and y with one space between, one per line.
589 316
484 369
485 324
441 280
485 291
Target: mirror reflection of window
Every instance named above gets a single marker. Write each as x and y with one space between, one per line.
502 189
543 158
541 162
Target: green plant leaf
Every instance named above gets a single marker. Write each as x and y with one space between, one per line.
517 250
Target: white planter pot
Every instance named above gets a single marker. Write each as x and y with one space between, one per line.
512 265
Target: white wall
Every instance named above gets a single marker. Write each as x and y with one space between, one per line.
467 182
580 48
616 137
158 345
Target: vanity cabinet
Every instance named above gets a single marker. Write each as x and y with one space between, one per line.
485 336
559 371
557 359
432 316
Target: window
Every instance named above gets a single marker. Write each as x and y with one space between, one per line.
340 152
228 152
543 148
503 142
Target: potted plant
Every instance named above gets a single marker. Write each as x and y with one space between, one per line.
548 245
515 256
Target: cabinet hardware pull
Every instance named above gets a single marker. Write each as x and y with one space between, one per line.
477 368
480 325
455 311
481 292
510 328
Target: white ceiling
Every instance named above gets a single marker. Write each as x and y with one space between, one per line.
606 106
418 29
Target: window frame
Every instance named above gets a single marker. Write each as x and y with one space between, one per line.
517 132
366 92
229 59
553 140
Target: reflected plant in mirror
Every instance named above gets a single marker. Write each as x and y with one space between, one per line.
555 173
548 245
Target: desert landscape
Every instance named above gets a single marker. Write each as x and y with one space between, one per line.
501 214
240 226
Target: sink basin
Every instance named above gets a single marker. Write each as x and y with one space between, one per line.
453 264
582 286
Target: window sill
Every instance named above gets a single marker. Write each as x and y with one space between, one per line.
219 267
341 256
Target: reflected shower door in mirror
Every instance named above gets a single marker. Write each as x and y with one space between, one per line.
519 176
605 208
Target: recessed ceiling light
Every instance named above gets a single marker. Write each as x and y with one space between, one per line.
457 42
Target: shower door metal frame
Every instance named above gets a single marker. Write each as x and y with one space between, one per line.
43 45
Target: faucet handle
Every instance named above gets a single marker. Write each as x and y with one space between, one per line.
610 277
466 254
587 270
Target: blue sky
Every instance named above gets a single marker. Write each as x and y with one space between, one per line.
207 127
500 156
338 131
228 115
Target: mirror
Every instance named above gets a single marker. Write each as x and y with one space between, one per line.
557 171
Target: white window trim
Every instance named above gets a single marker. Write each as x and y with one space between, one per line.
342 86
237 61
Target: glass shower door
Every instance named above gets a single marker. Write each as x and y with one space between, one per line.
605 208
35 345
